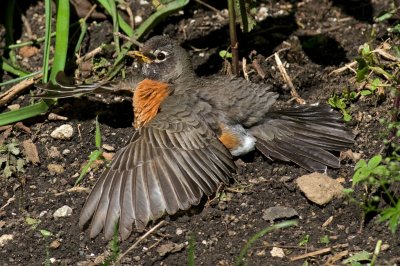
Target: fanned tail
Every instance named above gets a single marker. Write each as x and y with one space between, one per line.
304 135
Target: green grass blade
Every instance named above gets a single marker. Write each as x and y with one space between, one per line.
11 69
114 15
47 39
260 234
191 250
20 78
159 15
62 30
122 23
25 112
38 40
84 28
96 154
98 134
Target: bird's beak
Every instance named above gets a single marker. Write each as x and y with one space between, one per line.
147 58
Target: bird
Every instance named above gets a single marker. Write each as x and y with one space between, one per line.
187 132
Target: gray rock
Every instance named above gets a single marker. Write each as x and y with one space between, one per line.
279 212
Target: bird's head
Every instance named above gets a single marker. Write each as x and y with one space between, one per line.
163 59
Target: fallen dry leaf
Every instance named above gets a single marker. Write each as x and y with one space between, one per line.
169 248
31 151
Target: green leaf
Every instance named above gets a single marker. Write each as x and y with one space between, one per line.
360 164
348 190
395 29
305 240
224 54
384 16
380 170
45 233
357 257
362 69
374 161
324 239
365 50
31 221
392 215
365 92
375 84
346 116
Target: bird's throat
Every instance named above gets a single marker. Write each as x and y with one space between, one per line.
149 95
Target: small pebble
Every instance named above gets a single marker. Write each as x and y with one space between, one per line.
55 244
108 147
108 155
56 117
63 132
5 238
54 152
55 168
138 19
66 151
261 253
64 211
13 106
277 252
278 212
179 231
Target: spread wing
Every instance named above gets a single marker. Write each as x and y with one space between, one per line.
169 164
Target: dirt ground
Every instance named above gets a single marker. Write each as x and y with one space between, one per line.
314 38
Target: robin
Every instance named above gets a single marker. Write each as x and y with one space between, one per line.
188 130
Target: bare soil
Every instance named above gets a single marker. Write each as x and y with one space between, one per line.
314 38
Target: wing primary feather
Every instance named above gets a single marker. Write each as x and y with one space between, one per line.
100 215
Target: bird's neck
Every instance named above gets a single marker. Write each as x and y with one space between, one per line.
148 96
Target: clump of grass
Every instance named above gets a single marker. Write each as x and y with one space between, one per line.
94 155
377 74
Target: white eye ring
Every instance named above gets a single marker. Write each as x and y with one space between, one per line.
160 56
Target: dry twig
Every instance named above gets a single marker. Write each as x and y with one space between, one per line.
311 254
343 68
17 89
288 81
138 241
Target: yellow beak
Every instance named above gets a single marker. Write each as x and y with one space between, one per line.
140 55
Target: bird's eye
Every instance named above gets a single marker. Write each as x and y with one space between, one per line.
160 56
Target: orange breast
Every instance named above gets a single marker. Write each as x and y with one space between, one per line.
149 94
228 138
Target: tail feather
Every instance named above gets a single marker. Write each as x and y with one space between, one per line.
303 135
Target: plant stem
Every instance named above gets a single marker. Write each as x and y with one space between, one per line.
233 37
243 16
61 46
